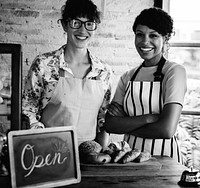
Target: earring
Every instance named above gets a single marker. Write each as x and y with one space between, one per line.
65 35
165 48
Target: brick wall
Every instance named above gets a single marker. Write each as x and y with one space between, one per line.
33 23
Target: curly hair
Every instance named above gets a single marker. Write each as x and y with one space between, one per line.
156 19
80 8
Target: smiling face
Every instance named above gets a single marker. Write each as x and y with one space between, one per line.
149 44
78 38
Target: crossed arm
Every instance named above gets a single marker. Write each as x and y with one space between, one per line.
146 126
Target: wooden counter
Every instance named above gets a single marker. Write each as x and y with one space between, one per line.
159 172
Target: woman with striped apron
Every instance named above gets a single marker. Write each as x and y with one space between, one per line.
148 100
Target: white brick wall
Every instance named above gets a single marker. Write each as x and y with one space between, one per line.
34 25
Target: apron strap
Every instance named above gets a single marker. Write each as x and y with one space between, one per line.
158 75
62 73
136 72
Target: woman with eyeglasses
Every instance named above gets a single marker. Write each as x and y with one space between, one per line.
70 86
149 98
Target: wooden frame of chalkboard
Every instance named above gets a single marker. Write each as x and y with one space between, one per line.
43 158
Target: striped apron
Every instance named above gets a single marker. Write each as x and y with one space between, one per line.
145 97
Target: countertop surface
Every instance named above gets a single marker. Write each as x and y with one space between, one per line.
161 172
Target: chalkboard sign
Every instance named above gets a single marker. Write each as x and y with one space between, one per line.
42 158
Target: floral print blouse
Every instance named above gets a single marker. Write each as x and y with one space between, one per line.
43 77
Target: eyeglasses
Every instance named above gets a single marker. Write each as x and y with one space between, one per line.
89 25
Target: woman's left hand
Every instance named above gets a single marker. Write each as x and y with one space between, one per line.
116 109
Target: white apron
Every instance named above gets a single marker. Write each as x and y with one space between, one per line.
145 97
75 102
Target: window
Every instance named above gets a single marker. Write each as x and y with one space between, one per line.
185 46
185 49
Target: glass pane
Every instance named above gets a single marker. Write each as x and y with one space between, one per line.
189 58
5 91
186 17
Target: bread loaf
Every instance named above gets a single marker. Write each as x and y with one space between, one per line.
144 156
87 148
115 147
131 155
98 158
120 154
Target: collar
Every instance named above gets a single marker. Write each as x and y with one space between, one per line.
96 65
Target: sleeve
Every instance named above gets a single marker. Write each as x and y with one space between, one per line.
33 88
103 109
121 88
175 85
106 100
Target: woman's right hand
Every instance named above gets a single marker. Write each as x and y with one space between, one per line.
115 109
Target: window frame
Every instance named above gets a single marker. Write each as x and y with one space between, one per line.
165 5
